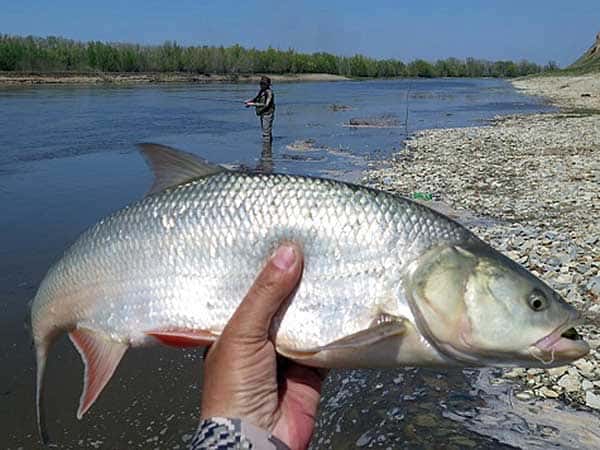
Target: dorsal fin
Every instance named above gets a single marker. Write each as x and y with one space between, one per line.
172 167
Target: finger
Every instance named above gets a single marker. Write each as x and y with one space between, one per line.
273 286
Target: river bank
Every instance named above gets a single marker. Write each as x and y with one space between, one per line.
579 92
530 186
26 79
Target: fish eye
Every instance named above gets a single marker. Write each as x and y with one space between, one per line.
537 301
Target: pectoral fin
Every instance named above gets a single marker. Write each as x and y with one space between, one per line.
385 327
101 357
370 336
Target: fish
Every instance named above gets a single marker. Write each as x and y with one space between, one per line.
387 282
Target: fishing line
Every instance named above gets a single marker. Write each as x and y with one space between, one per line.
406 114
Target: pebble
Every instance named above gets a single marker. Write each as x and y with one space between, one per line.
548 393
592 400
515 373
364 440
525 395
586 368
594 285
557 371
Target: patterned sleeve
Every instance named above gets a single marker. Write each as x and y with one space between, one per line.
220 433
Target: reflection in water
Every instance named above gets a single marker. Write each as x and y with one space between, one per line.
265 163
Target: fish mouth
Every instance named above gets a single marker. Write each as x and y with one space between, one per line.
562 345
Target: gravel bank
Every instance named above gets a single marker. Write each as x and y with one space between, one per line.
529 185
29 79
569 92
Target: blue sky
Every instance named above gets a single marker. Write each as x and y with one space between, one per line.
536 30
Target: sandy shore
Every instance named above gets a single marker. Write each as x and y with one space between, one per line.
529 185
20 79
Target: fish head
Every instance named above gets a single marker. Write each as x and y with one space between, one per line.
479 307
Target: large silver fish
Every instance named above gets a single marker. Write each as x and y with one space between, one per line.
387 282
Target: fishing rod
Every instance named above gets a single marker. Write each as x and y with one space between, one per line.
217 99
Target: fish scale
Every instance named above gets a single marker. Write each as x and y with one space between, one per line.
382 281
203 242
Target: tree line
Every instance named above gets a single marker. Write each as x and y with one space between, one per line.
56 54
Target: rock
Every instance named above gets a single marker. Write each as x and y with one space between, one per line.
558 371
594 308
364 439
553 261
586 368
592 400
594 285
515 373
548 393
399 379
426 420
564 278
375 122
570 383
587 385
464 442
303 145
337 107
525 395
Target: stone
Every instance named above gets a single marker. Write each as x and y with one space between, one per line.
364 439
594 285
399 379
426 420
525 395
586 368
594 308
515 373
564 278
570 383
592 400
558 371
548 393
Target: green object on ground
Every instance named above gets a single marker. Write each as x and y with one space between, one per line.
421 196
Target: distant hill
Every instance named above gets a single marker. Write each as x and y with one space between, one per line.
590 60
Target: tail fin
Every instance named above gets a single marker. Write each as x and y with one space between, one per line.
41 356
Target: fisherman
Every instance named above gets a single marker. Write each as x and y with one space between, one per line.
265 107
250 398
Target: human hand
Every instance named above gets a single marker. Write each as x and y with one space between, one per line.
242 375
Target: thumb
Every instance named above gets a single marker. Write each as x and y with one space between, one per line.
274 285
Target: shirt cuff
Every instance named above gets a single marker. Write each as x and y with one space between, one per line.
222 433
